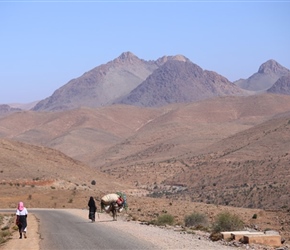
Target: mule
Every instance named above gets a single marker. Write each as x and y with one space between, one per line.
112 208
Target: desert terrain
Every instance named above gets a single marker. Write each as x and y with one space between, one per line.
223 154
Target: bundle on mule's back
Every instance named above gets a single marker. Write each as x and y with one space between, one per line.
109 198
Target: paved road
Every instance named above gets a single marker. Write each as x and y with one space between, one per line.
61 230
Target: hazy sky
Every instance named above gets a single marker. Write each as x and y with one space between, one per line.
44 44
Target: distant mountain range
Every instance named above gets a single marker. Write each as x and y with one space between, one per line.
6 109
170 79
268 73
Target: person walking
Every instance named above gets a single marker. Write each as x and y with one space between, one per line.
92 209
21 219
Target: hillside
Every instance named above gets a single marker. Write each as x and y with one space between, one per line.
7 110
230 151
180 82
192 127
281 86
104 135
258 160
46 176
268 73
245 169
156 144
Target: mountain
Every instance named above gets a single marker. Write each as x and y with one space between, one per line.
282 86
101 85
169 79
6 110
23 106
180 82
104 84
268 73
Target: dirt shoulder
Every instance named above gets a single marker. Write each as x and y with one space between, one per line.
32 240
162 238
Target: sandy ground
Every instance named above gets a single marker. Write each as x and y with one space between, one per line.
32 240
163 238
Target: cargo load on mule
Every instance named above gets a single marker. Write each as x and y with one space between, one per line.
114 202
124 198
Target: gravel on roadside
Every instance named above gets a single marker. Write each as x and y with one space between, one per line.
168 237
162 237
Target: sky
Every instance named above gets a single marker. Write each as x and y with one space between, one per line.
45 44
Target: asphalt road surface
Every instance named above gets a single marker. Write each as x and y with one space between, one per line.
61 230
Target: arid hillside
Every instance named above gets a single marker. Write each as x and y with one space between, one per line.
42 176
45 178
192 127
126 134
247 169
201 156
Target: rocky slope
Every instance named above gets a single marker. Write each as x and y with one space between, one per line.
268 73
281 86
180 82
171 79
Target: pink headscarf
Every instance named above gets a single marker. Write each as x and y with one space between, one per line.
20 206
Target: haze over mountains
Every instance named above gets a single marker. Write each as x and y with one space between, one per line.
168 126
169 79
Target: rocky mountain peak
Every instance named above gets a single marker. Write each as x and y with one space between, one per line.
271 66
127 57
165 59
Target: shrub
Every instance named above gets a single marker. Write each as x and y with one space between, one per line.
165 219
93 182
195 220
5 231
227 222
255 216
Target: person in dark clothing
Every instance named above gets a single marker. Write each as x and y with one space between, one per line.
92 209
21 219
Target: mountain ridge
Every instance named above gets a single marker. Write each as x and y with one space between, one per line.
268 73
122 77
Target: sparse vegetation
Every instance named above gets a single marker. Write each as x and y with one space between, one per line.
164 219
6 230
255 216
226 221
253 189
195 220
